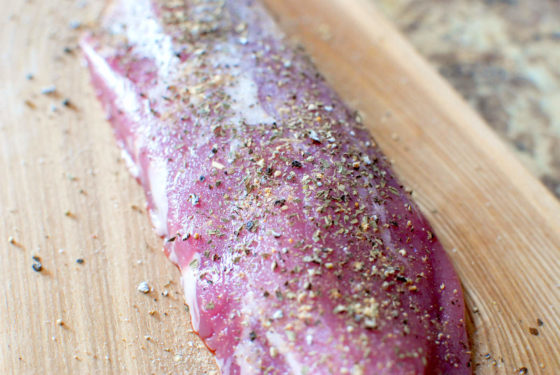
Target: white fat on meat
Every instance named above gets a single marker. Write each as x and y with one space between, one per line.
188 280
157 178
173 257
145 32
242 88
245 103
247 357
284 349
125 93
131 165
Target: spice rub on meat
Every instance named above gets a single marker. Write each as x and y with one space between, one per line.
300 252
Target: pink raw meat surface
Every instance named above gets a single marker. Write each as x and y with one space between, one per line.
299 250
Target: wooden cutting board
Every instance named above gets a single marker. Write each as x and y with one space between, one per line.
66 195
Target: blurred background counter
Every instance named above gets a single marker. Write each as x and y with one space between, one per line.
503 56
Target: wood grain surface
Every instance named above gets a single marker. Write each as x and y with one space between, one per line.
66 195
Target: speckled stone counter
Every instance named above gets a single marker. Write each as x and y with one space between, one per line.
503 56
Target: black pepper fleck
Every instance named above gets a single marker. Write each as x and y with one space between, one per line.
296 164
279 202
37 266
250 225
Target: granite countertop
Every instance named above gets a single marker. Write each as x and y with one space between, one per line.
503 56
